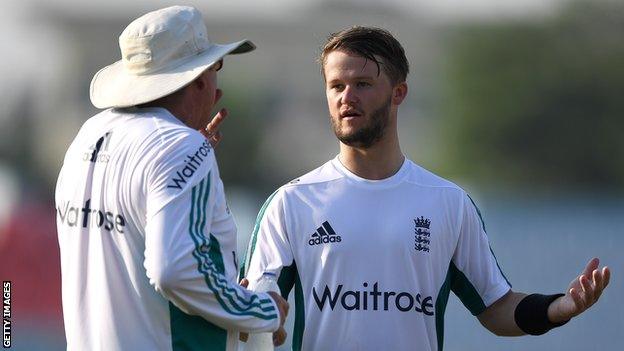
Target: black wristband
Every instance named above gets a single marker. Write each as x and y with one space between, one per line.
531 314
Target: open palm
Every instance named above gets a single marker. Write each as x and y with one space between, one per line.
582 293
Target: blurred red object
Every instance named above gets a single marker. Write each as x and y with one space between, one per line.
29 257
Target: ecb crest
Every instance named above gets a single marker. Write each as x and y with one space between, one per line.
422 235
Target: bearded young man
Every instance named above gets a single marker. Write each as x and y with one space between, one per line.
373 243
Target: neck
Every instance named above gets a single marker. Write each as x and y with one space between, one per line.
380 161
183 114
178 105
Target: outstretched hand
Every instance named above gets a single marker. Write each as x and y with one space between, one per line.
582 293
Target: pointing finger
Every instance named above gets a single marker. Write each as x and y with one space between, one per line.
216 121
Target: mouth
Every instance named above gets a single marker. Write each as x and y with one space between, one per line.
350 114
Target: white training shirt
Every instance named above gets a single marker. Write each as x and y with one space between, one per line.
372 261
148 244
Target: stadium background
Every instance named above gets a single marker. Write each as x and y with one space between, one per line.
518 101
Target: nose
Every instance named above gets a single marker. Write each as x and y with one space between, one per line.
349 95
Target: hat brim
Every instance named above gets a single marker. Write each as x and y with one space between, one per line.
113 86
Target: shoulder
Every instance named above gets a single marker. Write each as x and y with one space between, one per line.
425 178
323 174
183 160
171 154
142 130
435 184
184 146
326 173
158 136
158 125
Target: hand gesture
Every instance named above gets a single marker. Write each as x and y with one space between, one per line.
212 132
582 293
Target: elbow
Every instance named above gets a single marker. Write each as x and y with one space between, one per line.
490 327
164 278
500 330
507 333
493 329
497 332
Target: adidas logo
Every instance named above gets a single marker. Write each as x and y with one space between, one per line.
98 151
323 235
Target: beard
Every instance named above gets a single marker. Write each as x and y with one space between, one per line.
369 134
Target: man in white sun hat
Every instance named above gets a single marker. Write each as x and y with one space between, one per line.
146 238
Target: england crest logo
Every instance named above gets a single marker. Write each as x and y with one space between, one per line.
422 235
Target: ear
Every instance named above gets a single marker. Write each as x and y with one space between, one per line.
399 92
200 82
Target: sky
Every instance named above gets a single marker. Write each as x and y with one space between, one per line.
278 8
39 49
20 20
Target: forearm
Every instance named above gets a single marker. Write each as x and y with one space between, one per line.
499 318
183 265
222 303
517 314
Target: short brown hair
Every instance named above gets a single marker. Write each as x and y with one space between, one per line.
373 44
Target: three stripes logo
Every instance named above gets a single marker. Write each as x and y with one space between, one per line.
323 235
97 152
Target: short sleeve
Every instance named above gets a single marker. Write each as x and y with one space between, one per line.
476 277
269 248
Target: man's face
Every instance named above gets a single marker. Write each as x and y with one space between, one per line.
212 93
204 97
359 98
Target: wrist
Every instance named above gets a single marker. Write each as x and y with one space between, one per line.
533 314
554 316
274 301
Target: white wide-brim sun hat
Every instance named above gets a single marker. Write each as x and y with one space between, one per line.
161 52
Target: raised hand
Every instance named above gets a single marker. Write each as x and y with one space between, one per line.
212 132
582 293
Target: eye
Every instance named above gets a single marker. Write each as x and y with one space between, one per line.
338 87
216 66
363 84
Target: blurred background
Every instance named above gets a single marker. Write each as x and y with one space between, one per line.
520 102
